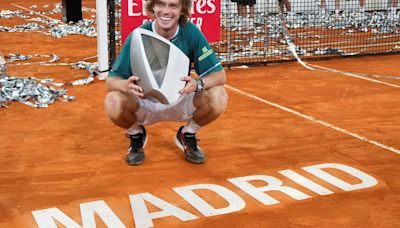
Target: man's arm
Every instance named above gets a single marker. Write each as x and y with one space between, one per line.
212 79
124 85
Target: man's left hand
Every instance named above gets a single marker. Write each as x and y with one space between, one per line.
190 85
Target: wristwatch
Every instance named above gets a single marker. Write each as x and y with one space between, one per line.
199 84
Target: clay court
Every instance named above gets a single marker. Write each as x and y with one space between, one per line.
315 149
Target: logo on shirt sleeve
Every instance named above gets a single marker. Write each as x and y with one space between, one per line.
206 53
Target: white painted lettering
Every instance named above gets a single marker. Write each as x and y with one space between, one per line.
200 5
235 202
142 216
103 211
273 184
366 180
46 217
52 217
305 182
198 21
210 3
131 9
203 6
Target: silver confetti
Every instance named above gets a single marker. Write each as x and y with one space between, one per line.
379 24
3 67
29 91
37 92
47 25
83 27
7 14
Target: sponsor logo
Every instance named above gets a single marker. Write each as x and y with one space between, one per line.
206 53
138 8
205 15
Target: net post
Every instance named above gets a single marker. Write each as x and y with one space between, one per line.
102 39
111 29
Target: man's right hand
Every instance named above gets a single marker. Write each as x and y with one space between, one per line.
132 88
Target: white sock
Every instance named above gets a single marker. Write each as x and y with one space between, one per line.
191 127
362 9
393 9
337 11
134 129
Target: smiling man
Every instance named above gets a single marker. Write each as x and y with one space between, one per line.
202 99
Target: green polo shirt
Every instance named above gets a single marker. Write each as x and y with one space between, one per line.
189 39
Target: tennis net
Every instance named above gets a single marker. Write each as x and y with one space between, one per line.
319 29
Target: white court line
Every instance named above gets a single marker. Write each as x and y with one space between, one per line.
58 21
312 119
354 75
292 48
351 46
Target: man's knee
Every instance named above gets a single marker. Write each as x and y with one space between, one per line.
113 103
117 102
217 99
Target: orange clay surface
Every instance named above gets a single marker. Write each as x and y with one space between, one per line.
70 153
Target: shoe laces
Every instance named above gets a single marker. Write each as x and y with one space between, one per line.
136 141
191 140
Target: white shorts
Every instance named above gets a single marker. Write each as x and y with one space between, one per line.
152 111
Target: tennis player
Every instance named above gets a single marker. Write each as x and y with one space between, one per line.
202 100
